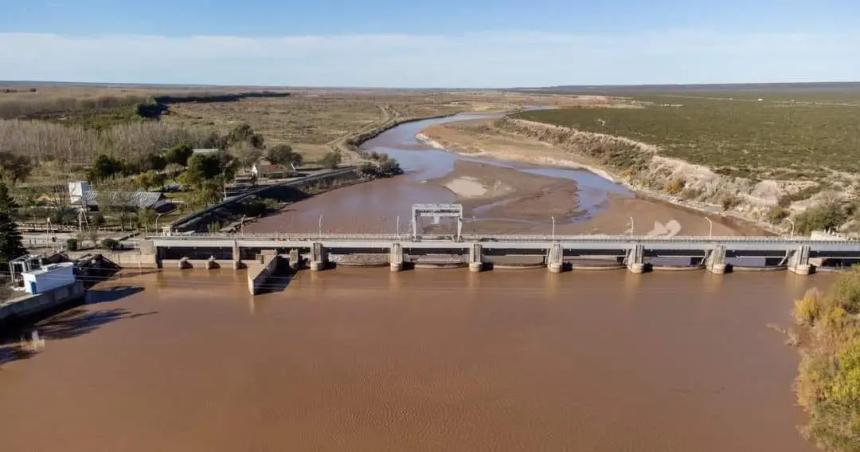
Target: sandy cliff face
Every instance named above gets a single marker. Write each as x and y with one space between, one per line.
641 167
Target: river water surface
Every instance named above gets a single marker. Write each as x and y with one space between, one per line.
364 359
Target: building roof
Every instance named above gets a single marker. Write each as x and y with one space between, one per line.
136 199
205 151
271 168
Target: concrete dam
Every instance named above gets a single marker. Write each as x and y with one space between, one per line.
481 252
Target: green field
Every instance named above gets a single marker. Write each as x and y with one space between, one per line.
785 135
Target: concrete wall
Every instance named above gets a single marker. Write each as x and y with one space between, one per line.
32 307
261 270
126 259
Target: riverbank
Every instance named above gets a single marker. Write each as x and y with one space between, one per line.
487 138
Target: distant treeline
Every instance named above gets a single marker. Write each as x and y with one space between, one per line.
44 140
146 106
762 88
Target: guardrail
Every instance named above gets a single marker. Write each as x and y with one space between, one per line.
499 238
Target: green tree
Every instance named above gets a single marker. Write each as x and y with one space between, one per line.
827 215
202 168
13 167
105 167
283 154
153 162
179 154
331 160
246 154
150 179
145 218
243 133
10 239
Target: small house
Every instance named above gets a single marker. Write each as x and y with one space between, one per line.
266 170
49 277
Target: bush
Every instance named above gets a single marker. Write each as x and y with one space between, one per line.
674 186
828 382
179 154
105 167
728 201
331 160
829 215
807 308
72 244
109 244
776 214
283 154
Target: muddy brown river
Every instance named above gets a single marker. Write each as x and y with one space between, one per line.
365 359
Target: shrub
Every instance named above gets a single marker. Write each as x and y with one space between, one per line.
674 186
807 308
828 382
72 244
109 244
828 215
331 160
729 201
283 154
776 214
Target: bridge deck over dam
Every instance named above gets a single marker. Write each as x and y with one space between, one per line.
478 252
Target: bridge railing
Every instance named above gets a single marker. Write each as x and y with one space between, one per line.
496 237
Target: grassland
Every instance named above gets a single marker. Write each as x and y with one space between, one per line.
759 135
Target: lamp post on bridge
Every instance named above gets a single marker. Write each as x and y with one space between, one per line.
319 226
632 226
553 228
710 227
156 223
791 234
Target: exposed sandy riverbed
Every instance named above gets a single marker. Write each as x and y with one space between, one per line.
499 192
477 138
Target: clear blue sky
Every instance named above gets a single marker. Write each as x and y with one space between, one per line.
431 43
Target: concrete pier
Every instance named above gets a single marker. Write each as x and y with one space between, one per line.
262 269
319 257
395 259
295 259
636 259
798 262
476 263
716 260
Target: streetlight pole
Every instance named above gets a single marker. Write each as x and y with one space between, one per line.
398 227
156 223
710 227
320 227
553 228
632 226
792 226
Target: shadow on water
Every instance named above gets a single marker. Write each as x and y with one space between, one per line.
275 284
25 342
111 294
28 338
